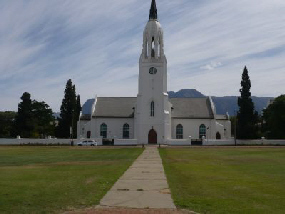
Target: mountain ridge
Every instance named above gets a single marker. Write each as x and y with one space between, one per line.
223 104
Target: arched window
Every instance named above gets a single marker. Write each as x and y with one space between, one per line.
179 131
152 109
152 48
103 130
126 131
202 131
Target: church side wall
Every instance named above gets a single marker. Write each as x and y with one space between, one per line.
191 127
227 128
82 127
114 127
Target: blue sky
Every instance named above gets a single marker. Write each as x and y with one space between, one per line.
97 43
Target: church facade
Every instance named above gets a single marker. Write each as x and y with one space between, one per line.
152 117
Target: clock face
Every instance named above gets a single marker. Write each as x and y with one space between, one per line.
152 70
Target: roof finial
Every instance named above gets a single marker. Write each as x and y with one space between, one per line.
153 11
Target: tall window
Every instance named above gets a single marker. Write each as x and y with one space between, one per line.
179 131
126 131
103 130
202 131
152 109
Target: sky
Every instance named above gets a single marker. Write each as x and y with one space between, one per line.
97 44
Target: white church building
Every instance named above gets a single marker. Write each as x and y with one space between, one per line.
152 117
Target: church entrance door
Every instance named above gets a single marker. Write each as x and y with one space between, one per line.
152 137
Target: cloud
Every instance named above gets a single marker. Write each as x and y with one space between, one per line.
212 65
98 43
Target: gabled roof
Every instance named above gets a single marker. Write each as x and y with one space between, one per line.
115 107
191 108
123 107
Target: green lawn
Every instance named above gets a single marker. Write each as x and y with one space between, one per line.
226 180
54 179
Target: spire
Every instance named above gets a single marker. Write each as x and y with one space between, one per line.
153 11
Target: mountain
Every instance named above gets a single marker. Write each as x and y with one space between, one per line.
223 104
186 93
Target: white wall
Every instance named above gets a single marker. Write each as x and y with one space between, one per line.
211 142
261 142
26 141
114 127
191 127
227 128
82 127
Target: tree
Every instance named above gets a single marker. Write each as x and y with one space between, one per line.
34 119
274 117
24 123
44 120
246 116
7 119
67 111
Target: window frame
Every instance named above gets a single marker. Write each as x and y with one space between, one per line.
202 131
103 130
152 109
179 131
126 131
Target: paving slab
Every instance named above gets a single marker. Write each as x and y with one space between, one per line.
143 185
138 199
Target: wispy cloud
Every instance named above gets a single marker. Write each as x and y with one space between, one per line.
212 65
98 43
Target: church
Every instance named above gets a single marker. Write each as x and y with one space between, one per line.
152 117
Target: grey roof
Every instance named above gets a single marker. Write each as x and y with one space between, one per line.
87 107
120 107
191 108
123 107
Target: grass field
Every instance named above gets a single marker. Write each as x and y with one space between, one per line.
226 180
54 179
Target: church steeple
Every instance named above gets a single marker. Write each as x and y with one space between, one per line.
153 11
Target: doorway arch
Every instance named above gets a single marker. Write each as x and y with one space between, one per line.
88 134
218 136
152 137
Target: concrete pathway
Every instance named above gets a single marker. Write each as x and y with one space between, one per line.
143 185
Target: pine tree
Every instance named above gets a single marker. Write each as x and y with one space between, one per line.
67 111
24 123
247 116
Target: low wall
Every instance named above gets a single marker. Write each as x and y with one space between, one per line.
231 142
213 142
26 141
178 142
98 140
125 142
261 142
